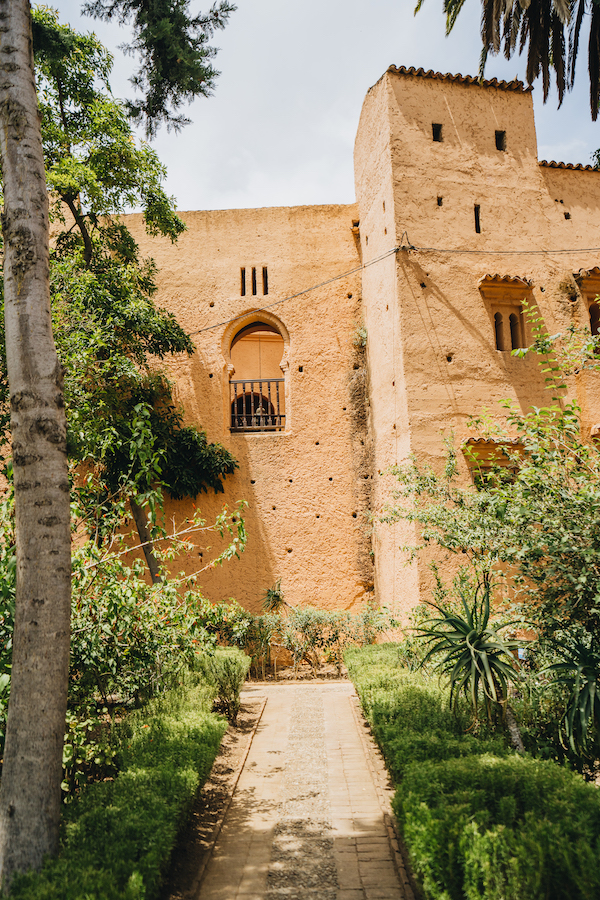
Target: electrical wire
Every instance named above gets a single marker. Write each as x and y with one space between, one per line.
499 252
405 247
315 287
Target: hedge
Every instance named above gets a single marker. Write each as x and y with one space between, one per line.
480 822
118 836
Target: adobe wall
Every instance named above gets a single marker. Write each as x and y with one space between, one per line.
305 486
432 351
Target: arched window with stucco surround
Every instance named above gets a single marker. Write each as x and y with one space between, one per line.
257 388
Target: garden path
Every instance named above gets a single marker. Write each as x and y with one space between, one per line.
309 819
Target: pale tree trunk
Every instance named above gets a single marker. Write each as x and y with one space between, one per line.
141 523
32 771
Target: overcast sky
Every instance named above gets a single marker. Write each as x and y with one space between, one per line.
280 128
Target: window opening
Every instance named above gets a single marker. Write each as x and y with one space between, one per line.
265 281
257 392
243 282
437 132
595 318
501 140
515 331
498 328
477 210
253 281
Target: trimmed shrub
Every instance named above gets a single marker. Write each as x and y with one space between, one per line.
118 837
226 670
480 822
490 828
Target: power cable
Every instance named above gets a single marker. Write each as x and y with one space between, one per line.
315 287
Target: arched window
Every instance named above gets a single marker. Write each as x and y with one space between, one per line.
257 390
594 318
515 331
499 329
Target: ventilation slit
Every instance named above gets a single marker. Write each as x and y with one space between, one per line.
253 281
477 210
265 281
243 282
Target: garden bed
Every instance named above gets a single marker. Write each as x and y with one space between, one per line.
480 821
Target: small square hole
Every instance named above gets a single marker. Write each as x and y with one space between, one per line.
437 132
567 215
501 140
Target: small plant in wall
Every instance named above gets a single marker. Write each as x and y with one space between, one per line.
273 600
359 340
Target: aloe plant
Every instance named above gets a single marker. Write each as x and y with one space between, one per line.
578 670
469 650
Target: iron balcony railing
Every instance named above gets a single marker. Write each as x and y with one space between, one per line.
257 405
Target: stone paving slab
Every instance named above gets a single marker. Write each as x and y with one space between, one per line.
307 820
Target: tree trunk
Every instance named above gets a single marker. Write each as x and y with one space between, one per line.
513 730
146 540
32 771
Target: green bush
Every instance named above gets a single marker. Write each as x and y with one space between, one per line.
118 836
226 670
490 828
480 822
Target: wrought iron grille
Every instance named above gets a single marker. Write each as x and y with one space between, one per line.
257 405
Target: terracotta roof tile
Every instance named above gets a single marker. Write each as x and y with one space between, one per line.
460 79
505 279
552 164
586 273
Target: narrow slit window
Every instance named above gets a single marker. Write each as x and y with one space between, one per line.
515 336
437 132
501 140
477 210
243 282
440 201
265 280
498 328
253 281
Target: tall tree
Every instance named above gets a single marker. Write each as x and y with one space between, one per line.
30 791
550 32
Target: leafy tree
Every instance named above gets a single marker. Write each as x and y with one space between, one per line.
30 792
122 421
550 30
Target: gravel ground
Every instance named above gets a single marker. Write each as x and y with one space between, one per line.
302 863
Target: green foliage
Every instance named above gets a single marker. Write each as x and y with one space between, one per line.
226 669
578 671
274 601
174 52
88 753
118 837
469 650
123 424
130 640
490 828
479 822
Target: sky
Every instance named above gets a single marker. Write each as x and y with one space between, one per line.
280 127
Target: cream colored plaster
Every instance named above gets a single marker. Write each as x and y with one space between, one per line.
427 296
300 485
439 329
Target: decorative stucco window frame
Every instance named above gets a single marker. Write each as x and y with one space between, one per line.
505 297
485 456
227 338
588 282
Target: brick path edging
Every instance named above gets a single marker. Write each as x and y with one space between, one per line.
379 774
